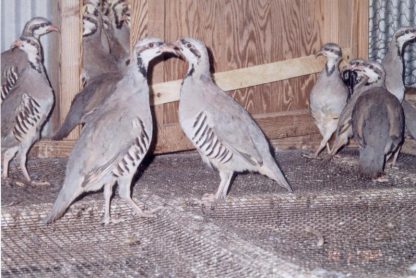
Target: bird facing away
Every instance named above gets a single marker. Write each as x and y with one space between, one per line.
328 96
26 109
393 61
378 126
98 158
223 132
93 95
14 61
96 58
370 74
410 112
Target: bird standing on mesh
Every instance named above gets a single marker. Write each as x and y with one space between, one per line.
14 61
26 109
328 96
223 132
370 75
115 138
378 126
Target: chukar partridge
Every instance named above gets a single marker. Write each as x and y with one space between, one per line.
27 108
370 75
224 134
328 96
119 16
393 61
14 61
378 126
98 159
96 55
410 112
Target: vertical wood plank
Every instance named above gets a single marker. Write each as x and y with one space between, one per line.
360 27
71 35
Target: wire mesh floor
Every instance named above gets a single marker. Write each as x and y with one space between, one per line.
336 224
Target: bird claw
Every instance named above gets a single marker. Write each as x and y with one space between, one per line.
310 156
108 221
382 178
40 183
210 200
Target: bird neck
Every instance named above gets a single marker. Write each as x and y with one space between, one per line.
393 59
35 61
141 66
199 69
331 65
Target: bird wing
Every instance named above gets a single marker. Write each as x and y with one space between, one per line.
112 140
232 124
13 63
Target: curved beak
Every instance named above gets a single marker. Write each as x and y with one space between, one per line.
53 28
16 43
174 49
319 53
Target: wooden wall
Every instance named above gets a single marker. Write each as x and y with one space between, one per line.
241 34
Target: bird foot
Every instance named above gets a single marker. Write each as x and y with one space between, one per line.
210 200
24 183
382 178
310 156
148 213
112 220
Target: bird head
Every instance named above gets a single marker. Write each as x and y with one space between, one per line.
147 49
121 13
404 35
195 53
38 26
374 71
330 51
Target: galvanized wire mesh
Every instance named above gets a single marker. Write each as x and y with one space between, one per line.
336 224
387 16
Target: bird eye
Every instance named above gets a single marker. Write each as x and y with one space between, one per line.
407 31
151 45
189 45
371 67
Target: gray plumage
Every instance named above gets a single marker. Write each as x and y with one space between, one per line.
378 125
370 75
25 110
410 112
328 96
98 158
14 61
224 134
92 96
393 61
96 58
119 15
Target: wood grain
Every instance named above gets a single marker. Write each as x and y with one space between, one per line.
71 34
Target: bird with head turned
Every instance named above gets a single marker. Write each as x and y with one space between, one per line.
26 109
328 96
393 61
369 74
14 61
98 158
223 132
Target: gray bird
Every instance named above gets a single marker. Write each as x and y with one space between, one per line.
393 61
119 14
93 95
26 109
99 158
96 58
224 134
14 61
378 126
410 113
370 75
328 96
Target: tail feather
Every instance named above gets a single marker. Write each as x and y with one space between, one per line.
61 204
73 118
371 162
273 171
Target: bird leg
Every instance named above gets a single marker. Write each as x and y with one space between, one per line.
220 195
7 156
22 158
108 191
124 192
